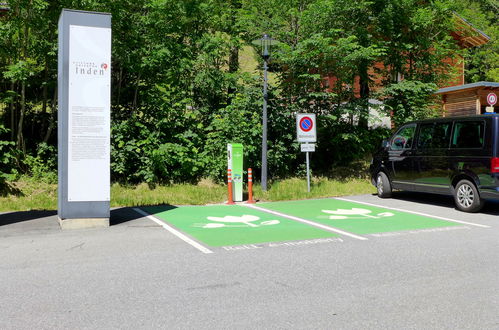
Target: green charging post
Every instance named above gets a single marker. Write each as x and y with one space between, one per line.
235 164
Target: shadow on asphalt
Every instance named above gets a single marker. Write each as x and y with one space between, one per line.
122 215
21 216
490 207
125 214
118 215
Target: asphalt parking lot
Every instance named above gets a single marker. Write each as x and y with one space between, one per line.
411 261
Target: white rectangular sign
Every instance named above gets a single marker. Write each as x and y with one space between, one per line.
306 127
307 147
89 116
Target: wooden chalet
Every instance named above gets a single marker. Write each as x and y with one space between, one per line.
458 98
466 36
467 99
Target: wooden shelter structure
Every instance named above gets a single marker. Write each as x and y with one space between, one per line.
4 7
468 99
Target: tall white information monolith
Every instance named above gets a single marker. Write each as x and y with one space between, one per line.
84 91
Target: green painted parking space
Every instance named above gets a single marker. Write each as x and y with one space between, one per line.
223 225
354 217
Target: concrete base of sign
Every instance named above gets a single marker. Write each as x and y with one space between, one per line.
82 223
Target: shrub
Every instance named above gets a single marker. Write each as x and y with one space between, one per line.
7 157
43 165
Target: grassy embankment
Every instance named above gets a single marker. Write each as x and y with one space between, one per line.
36 195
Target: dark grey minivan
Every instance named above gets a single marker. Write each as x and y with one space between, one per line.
456 156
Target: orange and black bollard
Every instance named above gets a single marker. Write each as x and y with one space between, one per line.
250 187
230 201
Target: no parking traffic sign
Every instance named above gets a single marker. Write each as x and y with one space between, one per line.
491 99
305 127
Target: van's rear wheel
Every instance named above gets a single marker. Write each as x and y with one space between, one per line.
467 197
383 185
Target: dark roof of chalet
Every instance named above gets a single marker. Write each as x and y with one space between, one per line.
479 84
4 6
469 35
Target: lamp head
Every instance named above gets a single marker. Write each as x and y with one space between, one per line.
265 42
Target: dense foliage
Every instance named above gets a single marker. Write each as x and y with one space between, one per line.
182 89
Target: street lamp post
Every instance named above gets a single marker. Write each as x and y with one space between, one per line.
265 43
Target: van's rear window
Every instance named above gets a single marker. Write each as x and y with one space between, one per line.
468 134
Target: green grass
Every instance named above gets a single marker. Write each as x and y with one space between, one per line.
205 192
293 189
248 63
28 194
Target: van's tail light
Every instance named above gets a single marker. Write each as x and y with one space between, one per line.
494 165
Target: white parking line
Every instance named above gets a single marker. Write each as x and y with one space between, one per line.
414 212
174 231
308 222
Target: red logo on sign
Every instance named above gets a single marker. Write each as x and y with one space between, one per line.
306 124
104 66
492 99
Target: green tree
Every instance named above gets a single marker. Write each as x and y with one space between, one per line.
482 63
410 100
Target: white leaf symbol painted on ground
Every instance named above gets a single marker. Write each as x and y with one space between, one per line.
341 214
213 225
231 218
353 211
270 222
244 219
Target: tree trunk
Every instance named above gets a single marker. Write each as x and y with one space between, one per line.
44 99
12 114
364 96
20 138
120 78
411 66
52 118
233 67
135 94
44 90
24 50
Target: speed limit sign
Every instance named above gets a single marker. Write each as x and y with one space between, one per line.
491 99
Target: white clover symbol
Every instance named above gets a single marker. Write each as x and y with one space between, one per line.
237 221
355 213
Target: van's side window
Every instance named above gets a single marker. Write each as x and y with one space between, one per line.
425 133
434 136
468 134
404 138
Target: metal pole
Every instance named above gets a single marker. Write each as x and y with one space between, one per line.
308 172
264 125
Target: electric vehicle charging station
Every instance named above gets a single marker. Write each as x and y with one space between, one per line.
235 164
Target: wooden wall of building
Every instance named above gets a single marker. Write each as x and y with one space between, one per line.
467 102
460 104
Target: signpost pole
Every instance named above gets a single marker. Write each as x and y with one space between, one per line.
264 125
308 172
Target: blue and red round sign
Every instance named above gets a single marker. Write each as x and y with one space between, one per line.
306 124
492 99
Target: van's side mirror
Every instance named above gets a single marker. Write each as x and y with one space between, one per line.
385 144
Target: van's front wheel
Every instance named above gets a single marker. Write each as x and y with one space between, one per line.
466 197
383 185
